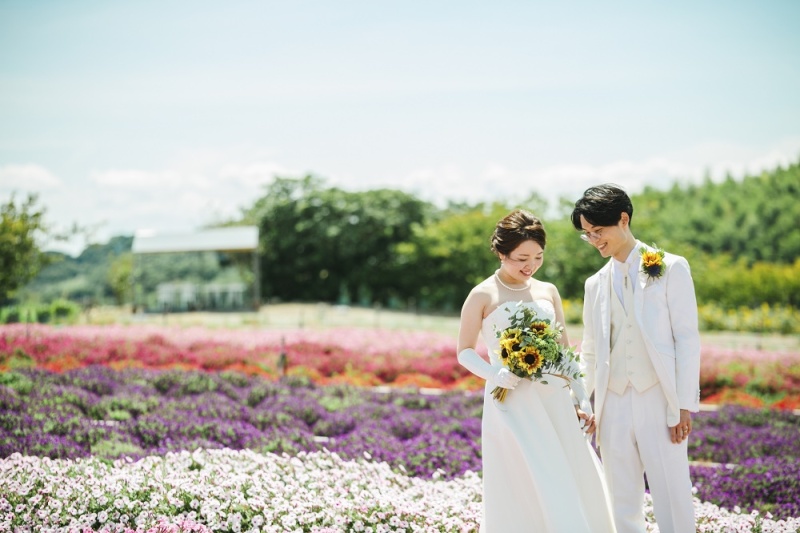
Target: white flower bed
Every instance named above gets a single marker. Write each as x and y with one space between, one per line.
240 491
232 491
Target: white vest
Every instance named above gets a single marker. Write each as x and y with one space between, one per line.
629 360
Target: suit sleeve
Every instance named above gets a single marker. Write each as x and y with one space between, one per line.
685 333
588 353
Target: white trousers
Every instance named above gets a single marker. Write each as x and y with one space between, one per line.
634 440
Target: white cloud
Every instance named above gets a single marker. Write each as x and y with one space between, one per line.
570 180
450 182
199 188
143 180
499 182
494 171
254 175
740 160
29 178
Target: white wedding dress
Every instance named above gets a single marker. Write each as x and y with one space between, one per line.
540 473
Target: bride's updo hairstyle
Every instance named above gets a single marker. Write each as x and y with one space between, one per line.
514 229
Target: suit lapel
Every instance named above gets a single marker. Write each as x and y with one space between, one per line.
638 305
638 296
604 284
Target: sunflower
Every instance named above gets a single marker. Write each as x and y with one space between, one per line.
539 327
530 360
652 262
509 342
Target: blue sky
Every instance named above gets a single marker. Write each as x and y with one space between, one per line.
169 115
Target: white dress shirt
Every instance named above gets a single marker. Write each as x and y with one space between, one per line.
618 273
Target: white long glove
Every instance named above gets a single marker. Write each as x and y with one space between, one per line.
499 376
578 388
580 398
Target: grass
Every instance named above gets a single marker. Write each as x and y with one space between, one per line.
284 316
323 315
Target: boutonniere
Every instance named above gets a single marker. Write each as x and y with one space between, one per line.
652 262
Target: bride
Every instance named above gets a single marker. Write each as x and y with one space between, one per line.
540 473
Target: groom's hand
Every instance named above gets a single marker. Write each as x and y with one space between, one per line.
681 432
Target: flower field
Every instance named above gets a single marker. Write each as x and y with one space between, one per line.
750 377
356 356
157 429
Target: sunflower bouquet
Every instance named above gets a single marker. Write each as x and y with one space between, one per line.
529 348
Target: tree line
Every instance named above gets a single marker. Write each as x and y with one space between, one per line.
389 248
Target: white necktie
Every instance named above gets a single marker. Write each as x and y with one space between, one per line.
627 289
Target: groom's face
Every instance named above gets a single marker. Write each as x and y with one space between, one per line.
609 240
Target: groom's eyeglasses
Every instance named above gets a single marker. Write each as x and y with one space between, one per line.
590 236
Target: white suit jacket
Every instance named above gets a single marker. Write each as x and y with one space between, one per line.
665 309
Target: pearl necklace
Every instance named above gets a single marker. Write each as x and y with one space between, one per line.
525 288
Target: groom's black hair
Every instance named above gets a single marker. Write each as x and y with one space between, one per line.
602 205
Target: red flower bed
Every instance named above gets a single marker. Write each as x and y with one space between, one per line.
735 396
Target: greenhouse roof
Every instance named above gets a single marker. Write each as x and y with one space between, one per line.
230 239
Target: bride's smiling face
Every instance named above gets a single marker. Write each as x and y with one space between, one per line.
523 261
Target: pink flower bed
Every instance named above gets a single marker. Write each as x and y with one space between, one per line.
757 372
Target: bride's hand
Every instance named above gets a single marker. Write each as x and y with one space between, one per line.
504 378
587 421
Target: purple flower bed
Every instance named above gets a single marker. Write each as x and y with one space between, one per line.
137 412
757 456
734 434
752 455
769 484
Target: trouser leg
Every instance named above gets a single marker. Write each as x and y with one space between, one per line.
665 463
623 468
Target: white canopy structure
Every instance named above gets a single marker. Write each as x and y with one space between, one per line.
233 239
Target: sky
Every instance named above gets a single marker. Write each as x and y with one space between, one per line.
168 115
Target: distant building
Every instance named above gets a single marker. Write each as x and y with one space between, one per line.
180 295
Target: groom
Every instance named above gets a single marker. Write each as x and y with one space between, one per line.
641 348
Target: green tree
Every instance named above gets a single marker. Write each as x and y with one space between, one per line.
22 227
119 277
753 219
449 256
326 244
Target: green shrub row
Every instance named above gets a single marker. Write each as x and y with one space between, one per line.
765 318
58 311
